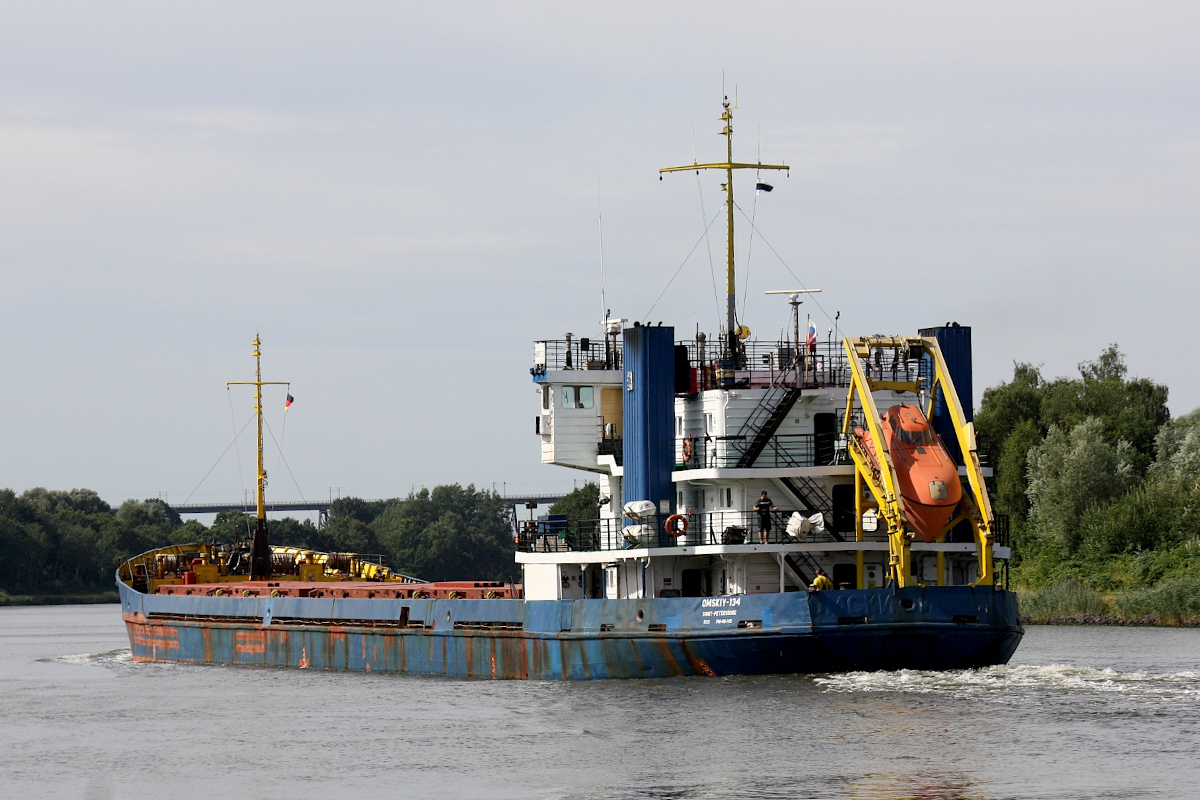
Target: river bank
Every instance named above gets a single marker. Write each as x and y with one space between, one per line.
87 598
1105 619
1171 603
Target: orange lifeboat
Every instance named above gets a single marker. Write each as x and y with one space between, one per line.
927 475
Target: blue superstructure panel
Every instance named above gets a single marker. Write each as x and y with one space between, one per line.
649 429
955 343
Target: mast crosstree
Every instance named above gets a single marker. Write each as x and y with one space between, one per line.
260 551
732 330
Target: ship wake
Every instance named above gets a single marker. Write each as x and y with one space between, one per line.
1001 680
105 659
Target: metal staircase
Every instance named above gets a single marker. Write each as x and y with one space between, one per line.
813 498
766 418
803 565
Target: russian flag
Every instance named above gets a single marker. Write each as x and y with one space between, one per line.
812 332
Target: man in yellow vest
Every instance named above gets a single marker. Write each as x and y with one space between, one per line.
821 582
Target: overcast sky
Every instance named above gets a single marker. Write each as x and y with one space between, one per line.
401 197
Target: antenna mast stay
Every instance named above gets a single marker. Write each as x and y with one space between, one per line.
733 348
260 551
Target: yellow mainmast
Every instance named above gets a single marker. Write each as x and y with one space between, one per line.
731 326
260 553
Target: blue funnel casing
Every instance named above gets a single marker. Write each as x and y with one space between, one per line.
648 419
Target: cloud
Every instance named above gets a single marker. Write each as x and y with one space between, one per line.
402 196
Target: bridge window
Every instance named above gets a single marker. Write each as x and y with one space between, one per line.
578 396
545 397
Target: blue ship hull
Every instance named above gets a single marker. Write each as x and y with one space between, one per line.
944 627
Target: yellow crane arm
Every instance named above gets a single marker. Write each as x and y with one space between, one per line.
983 520
879 476
860 383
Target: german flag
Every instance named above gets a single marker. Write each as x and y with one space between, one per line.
288 404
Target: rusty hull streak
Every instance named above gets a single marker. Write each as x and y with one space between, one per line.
154 635
509 654
527 642
668 654
250 642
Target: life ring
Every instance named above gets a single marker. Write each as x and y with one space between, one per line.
673 525
687 450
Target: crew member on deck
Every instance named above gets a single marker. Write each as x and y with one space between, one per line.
821 581
764 507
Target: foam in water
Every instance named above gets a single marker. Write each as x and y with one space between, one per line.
122 656
1003 679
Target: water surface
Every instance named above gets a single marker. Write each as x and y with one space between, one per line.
1080 713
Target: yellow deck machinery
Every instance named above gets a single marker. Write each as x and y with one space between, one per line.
879 475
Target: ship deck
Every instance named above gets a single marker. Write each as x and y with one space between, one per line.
442 590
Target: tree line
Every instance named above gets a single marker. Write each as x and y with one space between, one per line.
1101 485
70 542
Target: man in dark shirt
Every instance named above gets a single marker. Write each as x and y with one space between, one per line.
764 507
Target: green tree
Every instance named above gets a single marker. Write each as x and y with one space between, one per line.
450 533
1130 410
581 504
232 525
290 532
1012 470
1177 453
1069 472
1006 406
365 511
1018 414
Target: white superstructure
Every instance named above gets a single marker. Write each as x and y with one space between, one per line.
770 427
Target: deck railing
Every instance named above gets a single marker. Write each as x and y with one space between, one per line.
781 450
581 353
706 528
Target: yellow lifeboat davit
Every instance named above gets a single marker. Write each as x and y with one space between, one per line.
927 475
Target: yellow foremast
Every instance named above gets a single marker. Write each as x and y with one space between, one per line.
204 561
260 554
729 165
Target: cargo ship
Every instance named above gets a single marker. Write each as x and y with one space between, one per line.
788 505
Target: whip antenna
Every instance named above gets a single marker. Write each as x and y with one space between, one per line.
600 218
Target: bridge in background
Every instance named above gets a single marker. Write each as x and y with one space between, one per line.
322 506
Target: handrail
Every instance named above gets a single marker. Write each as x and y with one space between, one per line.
722 527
